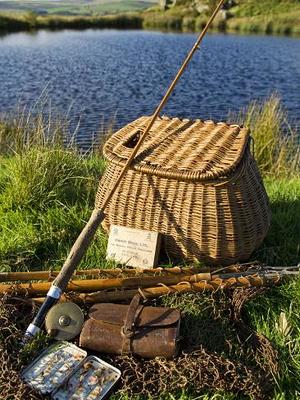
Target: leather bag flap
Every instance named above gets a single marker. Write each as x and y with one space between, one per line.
145 316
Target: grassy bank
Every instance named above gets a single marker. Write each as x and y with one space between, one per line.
282 24
47 192
270 17
31 21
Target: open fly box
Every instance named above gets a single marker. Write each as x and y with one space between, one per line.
64 371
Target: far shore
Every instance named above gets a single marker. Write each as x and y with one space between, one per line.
10 23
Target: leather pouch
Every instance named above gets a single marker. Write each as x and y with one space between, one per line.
135 329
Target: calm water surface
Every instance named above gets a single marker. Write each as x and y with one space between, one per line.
100 75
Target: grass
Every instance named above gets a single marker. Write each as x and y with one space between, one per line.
47 192
276 153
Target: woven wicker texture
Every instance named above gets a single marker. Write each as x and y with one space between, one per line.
196 182
180 149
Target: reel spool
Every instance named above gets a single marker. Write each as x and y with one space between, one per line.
64 321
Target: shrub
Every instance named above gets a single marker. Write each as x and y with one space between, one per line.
200 22
162 21
13 24
188 24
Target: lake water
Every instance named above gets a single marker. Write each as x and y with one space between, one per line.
103 75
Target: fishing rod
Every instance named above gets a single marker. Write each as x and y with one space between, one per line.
84 239
194 283
141 280
97 272
115 272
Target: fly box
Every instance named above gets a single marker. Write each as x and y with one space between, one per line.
48 371
91 380
64 371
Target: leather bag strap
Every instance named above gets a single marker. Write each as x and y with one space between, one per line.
128 329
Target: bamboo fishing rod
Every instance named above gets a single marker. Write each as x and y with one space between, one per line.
115 272
92 285
84 239
120 272
254 280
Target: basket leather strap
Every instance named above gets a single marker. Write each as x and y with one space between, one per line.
128 329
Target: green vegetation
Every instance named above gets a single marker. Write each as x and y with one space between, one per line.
47 191
31 21
277 154
245 16
279 24
250 8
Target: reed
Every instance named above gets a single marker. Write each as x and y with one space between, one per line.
188 24
285 23
160 21
31 21
276 144
34 127
9 23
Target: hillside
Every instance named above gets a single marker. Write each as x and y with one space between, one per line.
268 16
74 7
250 8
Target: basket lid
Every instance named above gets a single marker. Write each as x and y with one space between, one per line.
180 148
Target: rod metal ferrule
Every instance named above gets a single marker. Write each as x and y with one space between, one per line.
54 292
32 330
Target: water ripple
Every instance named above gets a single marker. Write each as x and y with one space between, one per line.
108 74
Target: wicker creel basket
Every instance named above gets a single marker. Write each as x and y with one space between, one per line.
196 182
